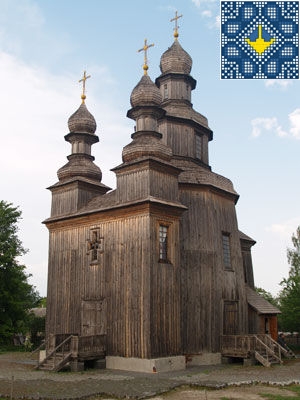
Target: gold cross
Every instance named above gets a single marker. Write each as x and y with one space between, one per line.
176 18
83 79
144 49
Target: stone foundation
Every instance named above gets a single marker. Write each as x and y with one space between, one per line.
203 359
176 363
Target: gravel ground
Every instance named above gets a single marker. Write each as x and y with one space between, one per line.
19 380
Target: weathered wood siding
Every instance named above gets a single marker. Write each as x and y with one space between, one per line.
140 294
161 181
206 285
67 199
129 281
247 263
165 291
181 138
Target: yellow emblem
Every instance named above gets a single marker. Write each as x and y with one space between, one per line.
260 45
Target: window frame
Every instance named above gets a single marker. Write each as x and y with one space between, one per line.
198 146
163 233
226 251
166 91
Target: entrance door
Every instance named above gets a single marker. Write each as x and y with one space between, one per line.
230 318
93 317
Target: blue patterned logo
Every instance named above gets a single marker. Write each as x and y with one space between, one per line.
259 40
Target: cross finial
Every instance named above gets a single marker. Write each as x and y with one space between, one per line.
83 79
176 18
144 49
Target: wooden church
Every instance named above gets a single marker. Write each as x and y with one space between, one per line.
154 275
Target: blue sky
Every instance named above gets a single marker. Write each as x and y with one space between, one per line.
46 45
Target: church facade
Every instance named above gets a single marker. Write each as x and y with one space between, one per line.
154 272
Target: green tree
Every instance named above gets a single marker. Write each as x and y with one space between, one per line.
17 296
267 296
290 294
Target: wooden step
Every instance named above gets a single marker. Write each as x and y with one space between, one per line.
55 362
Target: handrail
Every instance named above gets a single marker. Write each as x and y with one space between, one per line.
252 343
53 352
44 343
268 350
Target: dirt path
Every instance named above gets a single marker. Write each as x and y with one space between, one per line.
18 377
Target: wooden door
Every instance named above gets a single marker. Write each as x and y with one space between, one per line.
230 318
93 317
272 327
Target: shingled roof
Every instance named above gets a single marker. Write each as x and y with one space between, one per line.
261 305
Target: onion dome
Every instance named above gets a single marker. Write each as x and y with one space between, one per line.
82 121
80 165
146 144
145 93
176 60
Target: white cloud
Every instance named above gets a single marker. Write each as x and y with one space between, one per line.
218 21
206 13
266 124
35 107
282 83
208 9
294 119
24 33
284 230
260 125
199 3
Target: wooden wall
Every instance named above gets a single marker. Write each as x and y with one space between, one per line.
180 136
247 262
127 293
160 180
165 290
206 285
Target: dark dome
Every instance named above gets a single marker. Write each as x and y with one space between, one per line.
145 93
82 121
176 60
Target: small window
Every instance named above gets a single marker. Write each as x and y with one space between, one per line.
198 146
163 243
226 251
166 93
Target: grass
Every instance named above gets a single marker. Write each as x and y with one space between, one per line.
11 348
293 388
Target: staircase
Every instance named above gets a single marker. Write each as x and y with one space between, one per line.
266 350
261 347
60 356
56 362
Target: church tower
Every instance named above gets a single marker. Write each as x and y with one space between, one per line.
147 185
80 178
213 297
184 129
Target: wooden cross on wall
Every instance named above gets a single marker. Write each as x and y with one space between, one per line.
95 245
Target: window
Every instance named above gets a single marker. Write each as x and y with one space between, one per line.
226 251
163 243
166 93
198 146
